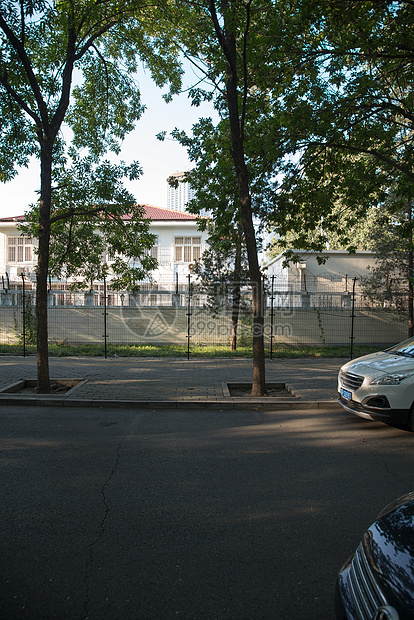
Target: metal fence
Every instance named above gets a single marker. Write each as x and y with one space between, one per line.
190 315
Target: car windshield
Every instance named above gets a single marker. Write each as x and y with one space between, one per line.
405 348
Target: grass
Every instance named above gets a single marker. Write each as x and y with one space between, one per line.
97 350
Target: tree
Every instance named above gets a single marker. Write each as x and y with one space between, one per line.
235 45
45 48
230 39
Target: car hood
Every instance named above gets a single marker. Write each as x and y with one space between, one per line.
376 363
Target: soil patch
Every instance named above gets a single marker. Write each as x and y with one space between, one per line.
28 386
273 390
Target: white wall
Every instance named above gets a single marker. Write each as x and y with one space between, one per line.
338 263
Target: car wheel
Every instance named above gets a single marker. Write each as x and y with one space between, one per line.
410 420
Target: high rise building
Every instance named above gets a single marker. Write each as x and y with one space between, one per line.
178 197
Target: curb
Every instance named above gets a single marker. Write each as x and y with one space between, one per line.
230 403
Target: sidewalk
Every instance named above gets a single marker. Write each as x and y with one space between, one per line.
172 382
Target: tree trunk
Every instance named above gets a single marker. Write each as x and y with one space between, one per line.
259 373
43 378
235 311
237 142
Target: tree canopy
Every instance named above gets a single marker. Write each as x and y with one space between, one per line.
352 129
76 62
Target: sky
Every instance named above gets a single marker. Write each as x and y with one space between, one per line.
158 159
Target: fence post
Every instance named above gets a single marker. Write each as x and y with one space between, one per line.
24 314
175 297
188 317
352 318
6 297
271 317
105 314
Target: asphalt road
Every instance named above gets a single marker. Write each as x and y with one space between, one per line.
111 514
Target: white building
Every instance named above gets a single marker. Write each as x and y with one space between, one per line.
178 244
310 282
336 265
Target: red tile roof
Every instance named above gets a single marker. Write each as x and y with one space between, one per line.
152 213
16 218
158 213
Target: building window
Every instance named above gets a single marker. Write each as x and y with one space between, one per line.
20 250
187 249
153 252
165 255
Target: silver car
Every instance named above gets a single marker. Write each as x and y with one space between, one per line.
380 386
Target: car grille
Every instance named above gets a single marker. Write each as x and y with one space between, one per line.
353 405
351 381
365 593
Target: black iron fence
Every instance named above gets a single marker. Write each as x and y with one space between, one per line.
191 315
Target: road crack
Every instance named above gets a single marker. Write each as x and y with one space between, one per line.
102 526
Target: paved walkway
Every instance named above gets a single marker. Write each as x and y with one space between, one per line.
171 382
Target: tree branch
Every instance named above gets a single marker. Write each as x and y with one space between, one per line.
71 211
19 48
20 102
245 71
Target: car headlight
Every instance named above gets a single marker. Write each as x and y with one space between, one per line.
392 379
